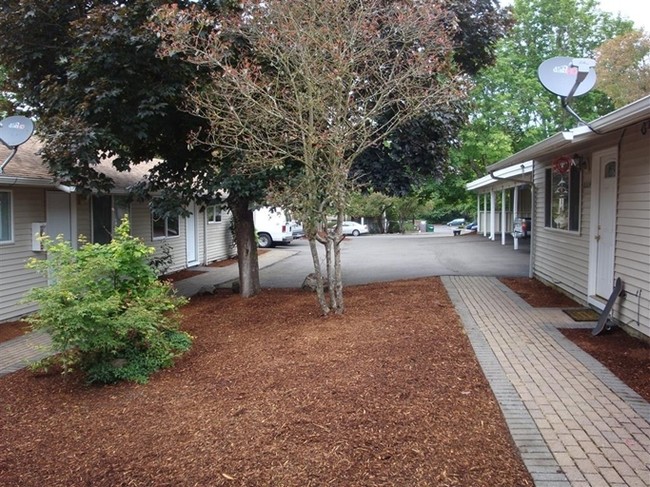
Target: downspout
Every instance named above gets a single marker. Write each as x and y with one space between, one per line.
205 237
503 216
533 221
522 181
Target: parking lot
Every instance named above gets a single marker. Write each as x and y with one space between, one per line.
375 258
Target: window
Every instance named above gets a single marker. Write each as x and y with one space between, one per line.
213 213
6 234
562 202
165 227
108 212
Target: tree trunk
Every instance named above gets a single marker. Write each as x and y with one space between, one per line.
249 269
336 266
320 291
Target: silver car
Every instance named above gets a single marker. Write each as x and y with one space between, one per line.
456 222
353 228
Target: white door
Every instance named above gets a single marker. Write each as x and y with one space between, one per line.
58 211
190 237
603 222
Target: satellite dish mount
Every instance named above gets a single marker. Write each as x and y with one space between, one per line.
568 77
14 131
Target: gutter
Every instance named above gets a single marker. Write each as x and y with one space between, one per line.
23 181
66 189
515 180
628 115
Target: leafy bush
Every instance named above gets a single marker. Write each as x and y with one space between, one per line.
108 314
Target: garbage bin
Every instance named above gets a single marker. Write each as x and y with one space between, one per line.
521 227
429 227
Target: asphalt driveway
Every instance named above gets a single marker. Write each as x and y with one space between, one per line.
376 258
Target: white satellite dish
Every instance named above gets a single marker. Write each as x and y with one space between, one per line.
14 131
567 77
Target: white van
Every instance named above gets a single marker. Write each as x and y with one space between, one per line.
272 227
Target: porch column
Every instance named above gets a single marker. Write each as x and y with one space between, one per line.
515 209
485 221
478 213
503 216
493 214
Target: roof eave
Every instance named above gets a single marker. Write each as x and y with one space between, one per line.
628 115
6 180
511 174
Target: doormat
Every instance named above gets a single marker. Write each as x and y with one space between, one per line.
582 314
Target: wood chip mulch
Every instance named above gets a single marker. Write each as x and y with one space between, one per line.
272 394
538 294
13 329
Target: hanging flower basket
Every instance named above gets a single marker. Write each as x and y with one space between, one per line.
562 164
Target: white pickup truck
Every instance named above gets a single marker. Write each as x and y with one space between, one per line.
272 227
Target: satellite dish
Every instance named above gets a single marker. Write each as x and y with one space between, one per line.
15 131
567 77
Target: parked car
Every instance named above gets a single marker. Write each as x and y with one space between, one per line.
472 226
272 227
355 229
296 229
456 222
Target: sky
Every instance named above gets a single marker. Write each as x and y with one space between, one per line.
636 10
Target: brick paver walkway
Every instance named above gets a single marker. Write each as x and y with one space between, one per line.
573 421
20 352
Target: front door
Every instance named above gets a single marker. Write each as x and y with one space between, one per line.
603 223
190 237
58 209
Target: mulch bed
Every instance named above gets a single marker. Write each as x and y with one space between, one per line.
13 329
538 294
628 358
180 275
272 394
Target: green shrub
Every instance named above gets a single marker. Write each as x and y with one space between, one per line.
108 314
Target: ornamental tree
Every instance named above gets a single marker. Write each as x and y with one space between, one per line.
89 71
315 82
624 67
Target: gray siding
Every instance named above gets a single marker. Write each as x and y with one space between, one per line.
15 279
218 238
141 227
632 255
562 257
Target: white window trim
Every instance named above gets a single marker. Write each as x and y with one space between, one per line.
12 230
217 210
166 236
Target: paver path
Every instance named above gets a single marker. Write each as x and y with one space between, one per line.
19 352
573 421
